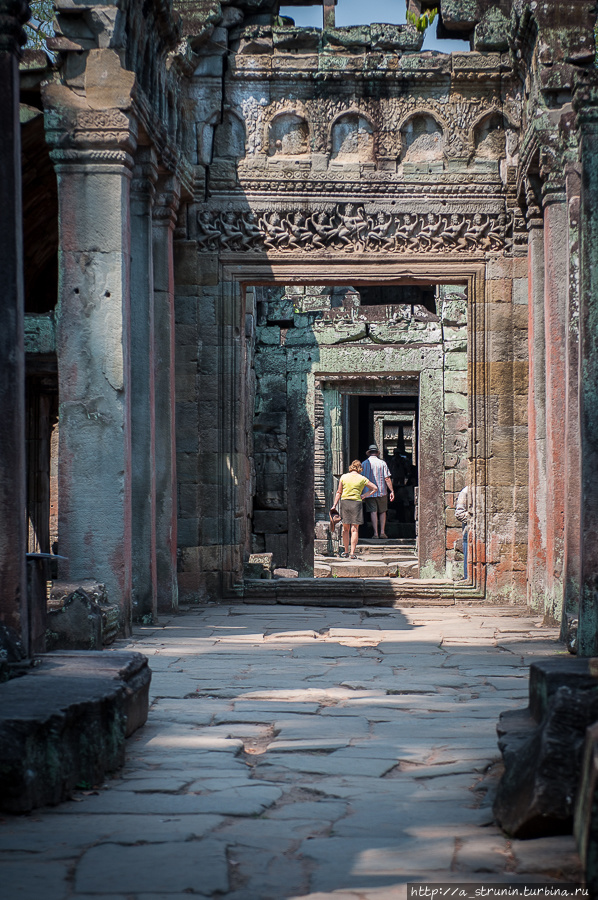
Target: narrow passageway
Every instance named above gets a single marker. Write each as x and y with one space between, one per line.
302 752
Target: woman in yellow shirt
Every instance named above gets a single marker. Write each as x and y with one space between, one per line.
349 491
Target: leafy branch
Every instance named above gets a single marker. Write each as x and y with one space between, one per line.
40 26
424 21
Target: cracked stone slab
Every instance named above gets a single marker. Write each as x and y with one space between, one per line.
371 862
333 763
59 837
35 880
246 800
154 867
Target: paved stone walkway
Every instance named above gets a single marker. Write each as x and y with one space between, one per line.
301 752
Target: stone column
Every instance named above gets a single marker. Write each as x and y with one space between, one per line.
433 443
588 372
164 214
536 404
144 576
300 466
13 592
556 251
572 550
93 162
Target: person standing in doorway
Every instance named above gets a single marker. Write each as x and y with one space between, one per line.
376 470
462 514
349 491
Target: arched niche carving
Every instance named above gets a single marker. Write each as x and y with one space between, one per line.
489 138
288 135
229 137
352 139
422 139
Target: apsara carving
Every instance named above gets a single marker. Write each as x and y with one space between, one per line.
349 228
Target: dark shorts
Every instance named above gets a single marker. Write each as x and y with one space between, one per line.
377 504
352 512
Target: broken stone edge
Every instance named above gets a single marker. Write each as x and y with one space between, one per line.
65 723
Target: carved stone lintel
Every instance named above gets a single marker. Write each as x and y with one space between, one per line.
349 228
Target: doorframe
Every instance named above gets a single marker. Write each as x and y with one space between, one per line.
239 271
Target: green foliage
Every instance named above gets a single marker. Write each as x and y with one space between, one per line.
40 26
424 21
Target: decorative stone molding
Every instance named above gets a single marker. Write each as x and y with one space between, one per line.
349 228
90 137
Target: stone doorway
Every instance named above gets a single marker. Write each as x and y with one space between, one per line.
331 376
392 423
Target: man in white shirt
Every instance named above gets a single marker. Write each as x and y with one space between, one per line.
376 470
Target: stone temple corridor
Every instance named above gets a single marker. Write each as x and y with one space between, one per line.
302 753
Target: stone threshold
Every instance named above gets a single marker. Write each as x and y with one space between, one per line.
356 592
63 725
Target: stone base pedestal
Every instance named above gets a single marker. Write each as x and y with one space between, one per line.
65 723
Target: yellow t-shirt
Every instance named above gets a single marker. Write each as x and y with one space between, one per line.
353 485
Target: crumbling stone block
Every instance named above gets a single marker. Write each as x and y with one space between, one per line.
542 749
80 617
65 723
259 565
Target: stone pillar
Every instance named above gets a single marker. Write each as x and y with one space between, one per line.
164 214
572 549
536 405
93 162
300 481
556 251
13 592
588 374
433 443
143 449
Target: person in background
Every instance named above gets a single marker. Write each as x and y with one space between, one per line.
349 491
462 514
376 470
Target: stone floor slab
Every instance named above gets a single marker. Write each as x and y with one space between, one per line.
187 867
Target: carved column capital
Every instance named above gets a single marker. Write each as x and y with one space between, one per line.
95 139
13 15
552 174
168 197
145 172
533 198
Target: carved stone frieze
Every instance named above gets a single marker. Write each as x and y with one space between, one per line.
350 228
388 116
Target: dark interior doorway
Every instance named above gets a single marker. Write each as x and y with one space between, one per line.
392 423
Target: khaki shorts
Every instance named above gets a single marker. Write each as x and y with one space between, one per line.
352 512
377 504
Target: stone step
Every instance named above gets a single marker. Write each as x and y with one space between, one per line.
356 592
358 568
370 568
